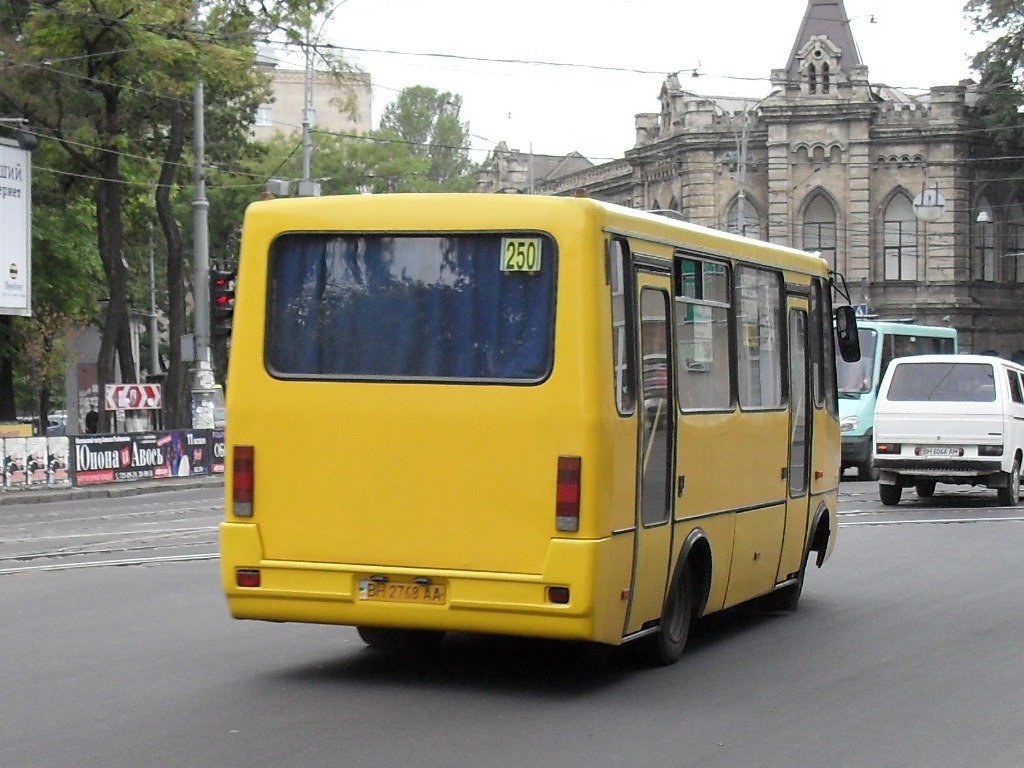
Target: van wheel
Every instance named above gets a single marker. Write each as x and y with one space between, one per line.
400 640
666 645
867 470
925 489
1010 495
890 494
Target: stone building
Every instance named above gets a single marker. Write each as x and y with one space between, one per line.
831 162
338 107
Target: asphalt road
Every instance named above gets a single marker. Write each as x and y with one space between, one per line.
906 651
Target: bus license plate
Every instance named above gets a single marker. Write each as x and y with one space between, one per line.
939 450
402 592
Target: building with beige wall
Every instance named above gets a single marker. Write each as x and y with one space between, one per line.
831 162
339 105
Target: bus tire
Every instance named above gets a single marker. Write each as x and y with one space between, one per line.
890 494
664 647
392 640
1009 496
785 599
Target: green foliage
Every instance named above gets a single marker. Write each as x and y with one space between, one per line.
1000 65
429 122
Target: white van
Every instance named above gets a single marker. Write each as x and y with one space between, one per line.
955 419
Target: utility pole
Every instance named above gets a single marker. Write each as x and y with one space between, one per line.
308 187
741 168
201 246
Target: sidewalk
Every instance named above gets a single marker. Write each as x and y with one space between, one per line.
42 494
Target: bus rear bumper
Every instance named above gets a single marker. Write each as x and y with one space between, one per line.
475 601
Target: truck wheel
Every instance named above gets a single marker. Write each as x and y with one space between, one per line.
1010 495
890 494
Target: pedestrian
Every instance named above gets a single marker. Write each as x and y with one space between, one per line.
92 420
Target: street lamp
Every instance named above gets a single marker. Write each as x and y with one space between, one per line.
26 139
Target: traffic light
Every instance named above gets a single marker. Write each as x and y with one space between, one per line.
222 300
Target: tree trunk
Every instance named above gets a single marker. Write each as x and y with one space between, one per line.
8 406
116 342
177 405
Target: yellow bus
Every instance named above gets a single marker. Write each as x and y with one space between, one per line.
536 416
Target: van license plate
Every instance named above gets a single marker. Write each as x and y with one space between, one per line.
939 450
402 592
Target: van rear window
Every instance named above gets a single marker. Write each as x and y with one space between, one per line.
467 306
944 382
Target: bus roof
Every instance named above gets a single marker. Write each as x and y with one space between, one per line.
432 211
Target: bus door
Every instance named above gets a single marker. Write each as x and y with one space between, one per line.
656 427
799 465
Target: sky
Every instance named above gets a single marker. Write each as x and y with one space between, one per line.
613 57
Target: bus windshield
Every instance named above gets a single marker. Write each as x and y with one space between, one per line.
471 306
855 378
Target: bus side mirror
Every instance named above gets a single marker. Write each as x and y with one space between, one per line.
846 334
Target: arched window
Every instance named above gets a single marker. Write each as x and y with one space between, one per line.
1015 243
900 246
984 266
820 229
812 79
825 81
751 224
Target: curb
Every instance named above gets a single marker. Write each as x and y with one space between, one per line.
107 490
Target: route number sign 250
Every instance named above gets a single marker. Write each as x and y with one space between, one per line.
520 254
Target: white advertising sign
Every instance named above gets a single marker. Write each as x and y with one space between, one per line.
15 229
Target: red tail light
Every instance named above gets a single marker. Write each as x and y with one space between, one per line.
242 480
567 498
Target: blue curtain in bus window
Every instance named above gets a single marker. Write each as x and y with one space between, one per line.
408 307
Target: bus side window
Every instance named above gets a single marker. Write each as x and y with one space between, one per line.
620 278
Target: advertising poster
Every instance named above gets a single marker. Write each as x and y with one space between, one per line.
57 452
15 217
109 458
36 460
14 461
218 450
186 453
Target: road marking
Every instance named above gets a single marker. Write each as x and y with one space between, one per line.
931 521
105 563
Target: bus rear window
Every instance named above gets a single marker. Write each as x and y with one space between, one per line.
467 306
943 382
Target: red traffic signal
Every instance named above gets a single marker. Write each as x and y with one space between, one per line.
222 299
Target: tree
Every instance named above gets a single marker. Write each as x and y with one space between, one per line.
428 122
111 83
1001 68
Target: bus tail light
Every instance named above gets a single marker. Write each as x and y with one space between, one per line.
889 448
242 480
567 498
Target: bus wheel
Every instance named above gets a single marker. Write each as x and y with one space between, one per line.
1010 495
890 494
787 598
925 489
400 640
666 645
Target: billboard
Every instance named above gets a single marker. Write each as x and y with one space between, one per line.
15 229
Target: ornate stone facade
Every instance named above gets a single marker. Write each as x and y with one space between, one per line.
831 162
